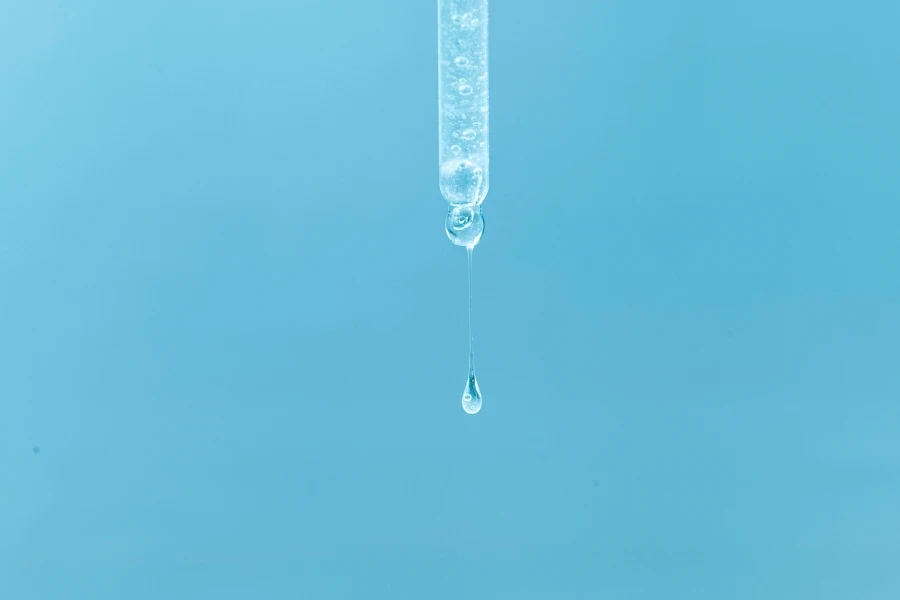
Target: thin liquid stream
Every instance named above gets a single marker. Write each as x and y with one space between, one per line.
471 399
469 252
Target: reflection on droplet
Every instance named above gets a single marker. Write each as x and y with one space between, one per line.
464 226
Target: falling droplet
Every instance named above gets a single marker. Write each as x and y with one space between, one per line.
471 398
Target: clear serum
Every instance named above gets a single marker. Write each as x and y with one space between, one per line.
464 145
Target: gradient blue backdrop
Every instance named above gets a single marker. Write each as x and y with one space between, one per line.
232 326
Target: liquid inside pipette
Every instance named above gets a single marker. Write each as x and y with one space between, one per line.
471 399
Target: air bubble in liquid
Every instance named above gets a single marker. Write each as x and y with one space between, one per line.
462 182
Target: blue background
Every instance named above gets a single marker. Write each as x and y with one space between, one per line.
232 324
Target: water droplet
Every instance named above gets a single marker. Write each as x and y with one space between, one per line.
465 90
477 124
455 149
481 144
465 225
461 61
471 399
468 135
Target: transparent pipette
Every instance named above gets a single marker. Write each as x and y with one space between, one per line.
464 147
